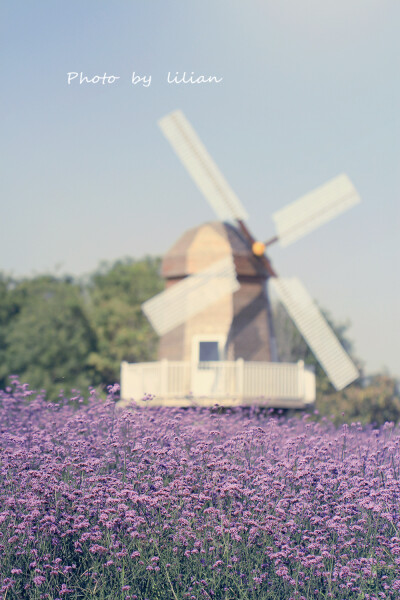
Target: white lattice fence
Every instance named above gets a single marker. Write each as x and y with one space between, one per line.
223 379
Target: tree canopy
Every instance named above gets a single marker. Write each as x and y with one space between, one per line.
123 332
60 334
48 335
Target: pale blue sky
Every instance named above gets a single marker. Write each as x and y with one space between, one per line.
310 89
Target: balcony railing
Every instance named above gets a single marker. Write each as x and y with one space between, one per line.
226 382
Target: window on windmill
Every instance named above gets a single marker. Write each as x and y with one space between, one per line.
208 351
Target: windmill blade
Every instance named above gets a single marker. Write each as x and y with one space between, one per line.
314 209
208 178
183 300
316 331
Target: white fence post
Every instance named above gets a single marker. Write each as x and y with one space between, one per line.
141 372
164 377
300 380
240 377
123 379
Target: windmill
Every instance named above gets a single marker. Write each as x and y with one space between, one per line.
216 303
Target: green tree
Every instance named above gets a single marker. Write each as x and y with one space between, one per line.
49 337
123 332
7 311
375 401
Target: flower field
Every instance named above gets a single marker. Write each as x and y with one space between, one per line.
168 504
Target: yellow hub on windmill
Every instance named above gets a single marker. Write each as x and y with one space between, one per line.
258 248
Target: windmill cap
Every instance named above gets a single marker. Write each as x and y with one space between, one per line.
200 247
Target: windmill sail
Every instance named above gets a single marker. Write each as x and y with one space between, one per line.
314 209
190 296
201 167
316 331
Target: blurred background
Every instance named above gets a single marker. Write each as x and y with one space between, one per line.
309 90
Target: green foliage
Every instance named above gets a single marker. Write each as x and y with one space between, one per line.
374 402
7 310
48 338
57 334
123 332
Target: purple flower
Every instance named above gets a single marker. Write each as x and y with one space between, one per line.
262 497
97 549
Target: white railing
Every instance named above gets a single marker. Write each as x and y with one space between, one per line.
230 380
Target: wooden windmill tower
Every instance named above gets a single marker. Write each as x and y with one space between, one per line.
238 324
216 305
